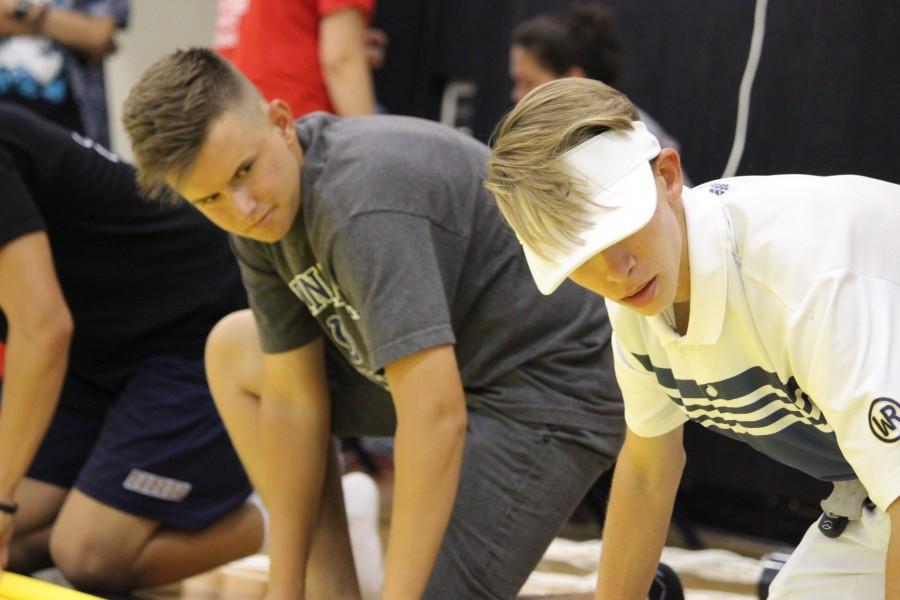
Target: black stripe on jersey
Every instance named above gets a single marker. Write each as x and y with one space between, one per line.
739 386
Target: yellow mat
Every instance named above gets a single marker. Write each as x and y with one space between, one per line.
19 587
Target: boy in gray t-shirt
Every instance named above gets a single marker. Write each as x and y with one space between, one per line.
503 402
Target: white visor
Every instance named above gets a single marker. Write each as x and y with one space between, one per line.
615 166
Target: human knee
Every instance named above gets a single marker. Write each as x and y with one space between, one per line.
228 338
90 564
232 348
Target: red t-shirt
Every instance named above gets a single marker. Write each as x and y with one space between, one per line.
275 43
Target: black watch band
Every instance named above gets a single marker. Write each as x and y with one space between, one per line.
9 508
20 11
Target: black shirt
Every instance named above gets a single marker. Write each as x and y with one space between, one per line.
140 278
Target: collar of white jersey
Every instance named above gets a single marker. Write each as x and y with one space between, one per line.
707 234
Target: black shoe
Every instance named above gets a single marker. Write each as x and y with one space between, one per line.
666 585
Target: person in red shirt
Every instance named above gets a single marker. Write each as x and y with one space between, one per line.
310 53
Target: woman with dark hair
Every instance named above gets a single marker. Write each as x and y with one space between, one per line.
579 41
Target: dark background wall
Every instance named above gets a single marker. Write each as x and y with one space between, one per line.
825 101
825 98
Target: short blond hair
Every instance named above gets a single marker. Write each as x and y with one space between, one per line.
536 194
168 112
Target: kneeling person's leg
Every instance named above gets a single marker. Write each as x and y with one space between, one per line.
163 495
235 372
66 446
39 503
234 368
519 484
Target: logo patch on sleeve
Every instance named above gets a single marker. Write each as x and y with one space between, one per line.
884 419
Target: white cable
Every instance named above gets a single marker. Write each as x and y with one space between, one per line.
743 113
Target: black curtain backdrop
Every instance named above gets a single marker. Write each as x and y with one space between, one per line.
824 101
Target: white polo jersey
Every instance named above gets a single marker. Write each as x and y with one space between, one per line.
793 342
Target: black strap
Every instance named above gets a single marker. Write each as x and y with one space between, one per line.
9 508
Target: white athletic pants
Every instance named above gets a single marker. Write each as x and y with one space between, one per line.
850 567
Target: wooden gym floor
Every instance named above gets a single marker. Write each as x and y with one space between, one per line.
728 573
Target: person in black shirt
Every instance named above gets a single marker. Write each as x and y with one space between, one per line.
107 302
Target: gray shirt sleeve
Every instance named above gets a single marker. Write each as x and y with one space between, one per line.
389 268
283 321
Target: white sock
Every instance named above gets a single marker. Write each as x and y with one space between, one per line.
362 503
256 500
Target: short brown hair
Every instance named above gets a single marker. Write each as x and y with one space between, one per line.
168 112
535 193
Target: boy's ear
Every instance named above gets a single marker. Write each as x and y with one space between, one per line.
279 113
668 166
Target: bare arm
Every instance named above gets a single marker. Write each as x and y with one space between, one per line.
345 64
643 491
892 566
295 421
87 34
431 427
39 331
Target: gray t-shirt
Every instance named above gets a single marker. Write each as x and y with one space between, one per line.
398 248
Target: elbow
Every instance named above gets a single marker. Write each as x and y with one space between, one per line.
671 466
455 424
678 460
98 40
446 422
330 70
675 468
334 65
59 331
661 468
99 47
455 427
51 331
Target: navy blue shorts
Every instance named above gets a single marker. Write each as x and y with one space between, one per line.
145 439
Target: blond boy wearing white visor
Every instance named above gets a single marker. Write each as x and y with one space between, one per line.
764 308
